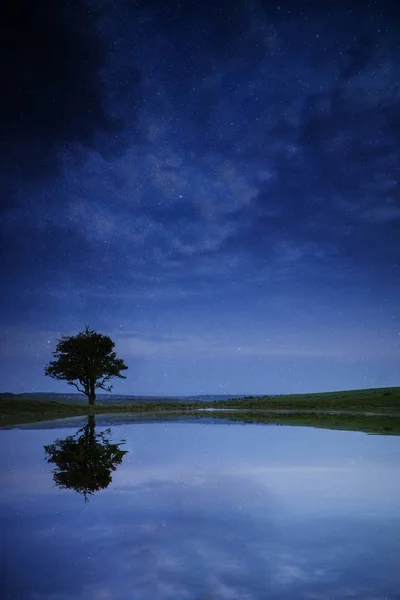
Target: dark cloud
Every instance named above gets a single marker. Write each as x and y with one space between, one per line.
357 57
57 79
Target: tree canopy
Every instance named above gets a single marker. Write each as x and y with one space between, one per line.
87 361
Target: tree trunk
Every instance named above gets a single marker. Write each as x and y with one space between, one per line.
91 427
90 430
91 394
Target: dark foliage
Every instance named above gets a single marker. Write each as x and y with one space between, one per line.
84 461
87 361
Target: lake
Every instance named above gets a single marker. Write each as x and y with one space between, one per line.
198 511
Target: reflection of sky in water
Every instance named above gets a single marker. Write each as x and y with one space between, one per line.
207 512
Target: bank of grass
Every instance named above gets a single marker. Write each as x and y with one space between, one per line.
367 423
371 410
15 412
377 399
375 410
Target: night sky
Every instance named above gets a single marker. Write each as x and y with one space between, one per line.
215 185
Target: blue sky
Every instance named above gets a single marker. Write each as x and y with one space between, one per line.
216 187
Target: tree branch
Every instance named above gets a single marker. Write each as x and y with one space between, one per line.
77 387
100 384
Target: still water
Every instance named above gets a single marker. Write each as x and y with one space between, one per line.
200 512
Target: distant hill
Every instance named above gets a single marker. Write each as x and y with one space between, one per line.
110 399
118 399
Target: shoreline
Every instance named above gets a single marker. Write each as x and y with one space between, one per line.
371 411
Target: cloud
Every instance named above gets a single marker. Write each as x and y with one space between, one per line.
239 175
345 345
382 214
58 73
358 56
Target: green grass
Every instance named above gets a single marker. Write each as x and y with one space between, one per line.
358 400
384 404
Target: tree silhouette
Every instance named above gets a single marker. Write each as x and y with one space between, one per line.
87 361
84 461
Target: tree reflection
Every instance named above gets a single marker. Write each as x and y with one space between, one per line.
84 461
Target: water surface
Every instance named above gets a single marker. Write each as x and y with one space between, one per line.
200 512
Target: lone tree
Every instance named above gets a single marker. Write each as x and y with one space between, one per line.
87 361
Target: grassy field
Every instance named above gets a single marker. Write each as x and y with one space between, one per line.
371 411
374 399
